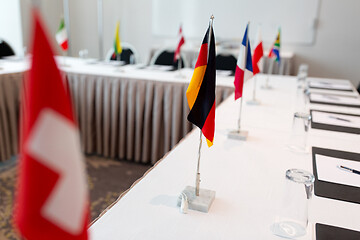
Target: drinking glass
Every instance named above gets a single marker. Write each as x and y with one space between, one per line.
299 133
292 220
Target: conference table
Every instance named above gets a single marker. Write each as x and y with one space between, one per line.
131 112
248 176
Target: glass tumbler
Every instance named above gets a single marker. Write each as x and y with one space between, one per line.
292 220
299 132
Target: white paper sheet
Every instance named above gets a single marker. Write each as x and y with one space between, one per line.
223 72
332 84
327 98
327 170
336 119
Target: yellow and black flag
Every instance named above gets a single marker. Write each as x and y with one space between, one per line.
201 91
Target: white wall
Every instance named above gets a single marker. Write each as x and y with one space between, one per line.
10 25
334 53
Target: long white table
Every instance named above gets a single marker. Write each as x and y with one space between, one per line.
123 112
248 177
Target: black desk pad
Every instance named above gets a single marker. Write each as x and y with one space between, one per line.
327 232
335 104
335 190
336 128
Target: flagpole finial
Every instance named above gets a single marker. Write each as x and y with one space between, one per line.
212 19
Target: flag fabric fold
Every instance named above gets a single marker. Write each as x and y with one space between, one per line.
275 48
244 68
201 90
52 197
258 53
181 42
117 43
61 36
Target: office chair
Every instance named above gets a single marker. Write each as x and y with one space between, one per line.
5 49
165 56
225 61
129 54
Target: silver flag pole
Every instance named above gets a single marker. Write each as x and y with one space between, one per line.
100 29
67 24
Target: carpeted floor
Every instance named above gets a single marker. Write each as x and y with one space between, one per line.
107 179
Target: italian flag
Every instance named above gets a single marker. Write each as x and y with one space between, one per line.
61 36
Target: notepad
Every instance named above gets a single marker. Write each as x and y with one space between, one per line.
332 182
336 119
331 85
334 99
328 171
327 232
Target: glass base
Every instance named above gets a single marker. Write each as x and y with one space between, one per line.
298 149
288 229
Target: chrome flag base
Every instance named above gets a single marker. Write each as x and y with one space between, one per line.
238 135
253 102
200 203
268 87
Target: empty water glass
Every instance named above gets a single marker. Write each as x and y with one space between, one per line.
83 53
292 220
299 132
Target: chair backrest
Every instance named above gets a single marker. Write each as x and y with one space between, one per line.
129 54
226 61
5 49
165 56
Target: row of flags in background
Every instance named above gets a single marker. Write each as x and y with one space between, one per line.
248 66
201 90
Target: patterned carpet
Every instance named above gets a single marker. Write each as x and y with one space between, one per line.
106 178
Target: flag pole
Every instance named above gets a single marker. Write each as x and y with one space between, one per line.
246 55
100 29
67 24
254 91
197 183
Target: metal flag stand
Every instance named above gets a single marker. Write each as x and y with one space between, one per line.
271 65
254 101
238 134
100 30
198 199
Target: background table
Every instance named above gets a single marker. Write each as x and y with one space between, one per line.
285 67
123 112
248 177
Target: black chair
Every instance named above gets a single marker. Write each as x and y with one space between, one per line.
225 62
358 88
128 55
166 57
5 49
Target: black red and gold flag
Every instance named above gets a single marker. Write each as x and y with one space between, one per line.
201 91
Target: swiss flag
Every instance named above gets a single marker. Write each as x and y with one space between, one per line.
52 198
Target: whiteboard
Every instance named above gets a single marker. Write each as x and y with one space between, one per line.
296 18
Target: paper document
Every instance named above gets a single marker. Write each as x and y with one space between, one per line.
331 84
327 170
327 98
336 119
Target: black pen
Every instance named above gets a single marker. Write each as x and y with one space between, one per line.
341 119
349 169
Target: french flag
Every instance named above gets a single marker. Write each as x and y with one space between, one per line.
244 68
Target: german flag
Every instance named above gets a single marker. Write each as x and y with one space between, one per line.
201 91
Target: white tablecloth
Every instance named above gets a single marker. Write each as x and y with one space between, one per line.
248 177
123 112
